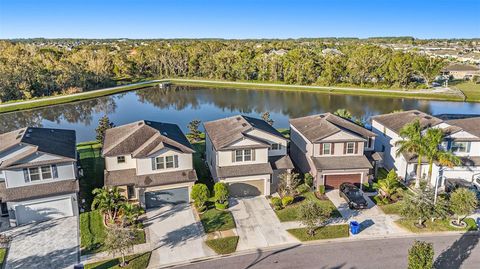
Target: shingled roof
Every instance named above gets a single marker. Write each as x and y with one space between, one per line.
317 127
38 190
57 142
470 125
396 121
130 177
224 132
142 138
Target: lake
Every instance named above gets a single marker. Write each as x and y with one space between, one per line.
180 105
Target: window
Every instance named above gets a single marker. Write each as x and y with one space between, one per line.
247 155
276 147
34 174
131 192
460 147
159 163
120 159
244 155
239 155
46 172
327 149
368 143
169 162
350 148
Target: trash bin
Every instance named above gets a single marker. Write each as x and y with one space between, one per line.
354 227
478 223
78 266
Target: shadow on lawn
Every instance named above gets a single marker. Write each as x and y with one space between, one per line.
458 252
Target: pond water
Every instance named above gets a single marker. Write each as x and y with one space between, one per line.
180 105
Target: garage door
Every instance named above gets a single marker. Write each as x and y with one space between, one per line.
334 181
164 197
246 188
42 211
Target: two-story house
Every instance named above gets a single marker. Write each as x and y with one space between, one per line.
246 153
38 175
462 137
332 149
151 162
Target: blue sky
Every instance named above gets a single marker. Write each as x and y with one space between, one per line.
238 19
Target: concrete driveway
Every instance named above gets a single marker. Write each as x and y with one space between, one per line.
50 244
175 235
257 224
373 222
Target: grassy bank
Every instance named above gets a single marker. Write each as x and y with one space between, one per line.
326 232
62 99
470 89
138 261
224 245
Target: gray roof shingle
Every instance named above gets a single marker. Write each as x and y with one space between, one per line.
396 121
129 177
341 162
244 170
38 190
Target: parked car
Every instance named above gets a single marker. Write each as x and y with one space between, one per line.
353 196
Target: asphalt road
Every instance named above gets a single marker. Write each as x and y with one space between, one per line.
452 251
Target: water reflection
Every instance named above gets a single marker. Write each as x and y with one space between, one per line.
182 104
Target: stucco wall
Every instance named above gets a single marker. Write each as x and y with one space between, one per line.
15 177
144 165
225 157
111 163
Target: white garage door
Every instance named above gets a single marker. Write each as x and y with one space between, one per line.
44 210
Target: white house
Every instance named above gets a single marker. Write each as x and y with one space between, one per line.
247 153
151 162
38 175
334 150
462 138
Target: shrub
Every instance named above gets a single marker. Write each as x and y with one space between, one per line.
308 179
303 188
462 203
220 192
200 195
313 215
287 200
221 206
321 189
277 203
420 255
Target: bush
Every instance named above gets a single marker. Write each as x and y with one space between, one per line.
308 179
303 189
321 189
420 255
277 203
220 192
462 203
200 195
221 206
287 200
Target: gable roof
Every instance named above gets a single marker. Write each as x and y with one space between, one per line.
317 127
59 142
142 138
224 132
396 121
470 125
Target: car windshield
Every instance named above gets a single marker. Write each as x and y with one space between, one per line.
355 193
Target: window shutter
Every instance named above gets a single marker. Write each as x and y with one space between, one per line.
253 155
356 147
468 146
54 171
321 148
345 148
233 156
332 151
25 175
175 158
154 166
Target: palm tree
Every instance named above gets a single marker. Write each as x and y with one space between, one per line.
108 201
433 138
412 142
131 213
388 186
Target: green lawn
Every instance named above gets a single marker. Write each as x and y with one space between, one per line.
436 226
470 89
216 220
139 261
93 233
3 255
326 232
393 208
93 165
203 173
224 245
290 213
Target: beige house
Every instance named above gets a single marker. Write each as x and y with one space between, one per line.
247 153
461 71
150 161
332 149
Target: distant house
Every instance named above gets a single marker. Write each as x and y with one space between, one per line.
333 149
462 138
151 162
461 71
38 175
246 153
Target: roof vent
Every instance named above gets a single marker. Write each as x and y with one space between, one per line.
21 131
164 133
322 116
416 113
244 124
18 136
239 118
427 117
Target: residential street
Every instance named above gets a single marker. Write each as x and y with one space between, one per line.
453 251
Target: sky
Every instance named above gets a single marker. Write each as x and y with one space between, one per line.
235 19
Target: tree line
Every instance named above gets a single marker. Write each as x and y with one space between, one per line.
29 70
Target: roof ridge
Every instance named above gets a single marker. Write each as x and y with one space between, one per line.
120 140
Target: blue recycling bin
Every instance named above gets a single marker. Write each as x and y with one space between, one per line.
478 223
354 227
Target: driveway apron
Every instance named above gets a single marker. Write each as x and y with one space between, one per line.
257 224
49 244
175 235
